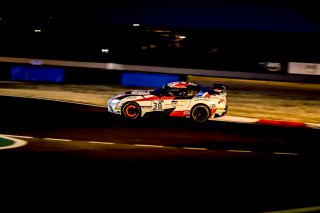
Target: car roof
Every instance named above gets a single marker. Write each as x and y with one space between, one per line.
180 84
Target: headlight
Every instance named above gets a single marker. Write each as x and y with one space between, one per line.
113 104
114 101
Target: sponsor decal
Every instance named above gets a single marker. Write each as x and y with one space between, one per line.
304 68
311 68
139 92
133 97
187 112
221 101
201 98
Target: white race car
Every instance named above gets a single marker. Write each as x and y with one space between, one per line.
175 99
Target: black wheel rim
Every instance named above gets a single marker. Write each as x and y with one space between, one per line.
200 114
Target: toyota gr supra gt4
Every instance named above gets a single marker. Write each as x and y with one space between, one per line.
174 99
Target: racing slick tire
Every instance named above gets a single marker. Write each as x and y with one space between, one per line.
200 113
131 111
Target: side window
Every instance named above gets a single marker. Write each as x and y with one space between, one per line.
192 92
175 92
182 93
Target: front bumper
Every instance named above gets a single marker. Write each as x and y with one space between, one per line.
113 108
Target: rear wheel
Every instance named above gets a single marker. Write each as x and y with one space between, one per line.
131 110
200 113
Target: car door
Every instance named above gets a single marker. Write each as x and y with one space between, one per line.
162 103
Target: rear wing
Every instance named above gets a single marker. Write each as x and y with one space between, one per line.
219 88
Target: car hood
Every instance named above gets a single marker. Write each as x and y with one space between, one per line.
133 93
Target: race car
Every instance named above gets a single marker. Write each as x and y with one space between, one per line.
174 99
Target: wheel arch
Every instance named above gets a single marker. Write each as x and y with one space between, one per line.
196 117
202 104
125 104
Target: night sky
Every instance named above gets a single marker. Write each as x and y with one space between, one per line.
228 14
242 30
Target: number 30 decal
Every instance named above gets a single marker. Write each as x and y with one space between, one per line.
157 105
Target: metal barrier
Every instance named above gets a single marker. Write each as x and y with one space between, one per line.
165 70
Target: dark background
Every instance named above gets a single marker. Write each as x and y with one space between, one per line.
225 35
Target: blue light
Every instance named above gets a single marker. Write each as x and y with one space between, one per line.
37 73
147 79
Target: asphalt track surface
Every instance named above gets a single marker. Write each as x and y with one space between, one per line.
154 164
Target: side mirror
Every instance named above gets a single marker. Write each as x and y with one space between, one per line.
220 87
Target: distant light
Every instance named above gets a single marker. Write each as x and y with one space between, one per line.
37 31
136 25
36 62
182 37
160 31
105 50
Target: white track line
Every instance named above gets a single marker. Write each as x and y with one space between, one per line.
195 148
19 136
17 142
311 209
21 143
284 153
57 139
236 119
98 142
234 150
148 145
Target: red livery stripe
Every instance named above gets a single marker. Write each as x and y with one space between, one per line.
213 111
156 98
178 114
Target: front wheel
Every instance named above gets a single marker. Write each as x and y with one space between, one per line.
200 113
131 110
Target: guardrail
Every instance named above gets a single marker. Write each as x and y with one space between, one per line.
164 70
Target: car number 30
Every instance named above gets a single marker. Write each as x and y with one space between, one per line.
157 105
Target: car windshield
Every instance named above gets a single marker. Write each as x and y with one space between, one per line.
158 91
